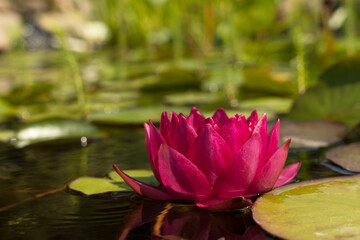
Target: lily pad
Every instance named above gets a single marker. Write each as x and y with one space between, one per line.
54 128
93 185
193 98
134 116
264 82
320 209
312 133
5 135
336 97
347 156
174 79
275 104
6 108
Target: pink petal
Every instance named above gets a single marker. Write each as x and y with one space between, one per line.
215 125
235 132
218 204
261 129
237 176
180 176
266 177
153 140
252 120
220 116
288 174
273 141
174 122
195 119
211 153
165 126
144 189
184 137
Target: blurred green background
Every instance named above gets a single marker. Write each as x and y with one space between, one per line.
123 62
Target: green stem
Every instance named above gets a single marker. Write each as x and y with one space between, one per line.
76 75
300 59
177 31
350 26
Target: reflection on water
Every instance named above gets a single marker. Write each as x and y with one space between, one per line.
27 175
171 221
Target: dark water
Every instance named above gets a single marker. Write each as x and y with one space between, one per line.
27 173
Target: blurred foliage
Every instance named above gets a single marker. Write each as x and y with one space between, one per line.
116 61
335 97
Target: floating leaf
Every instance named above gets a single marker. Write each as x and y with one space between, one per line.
174 79
37 92
193 99
134 116
93 185
320 209
336 97
54 128
145 176
6 108
262 82
347 156
312 133
5 135
343 72
274 104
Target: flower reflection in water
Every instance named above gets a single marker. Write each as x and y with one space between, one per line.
173 221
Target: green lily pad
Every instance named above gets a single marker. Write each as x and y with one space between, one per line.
174 79
37 92
54 128
6 108
5 135
343 72
347 156
320 209
193 98
312 133
93 185
336 97
134 116
264 82
274 104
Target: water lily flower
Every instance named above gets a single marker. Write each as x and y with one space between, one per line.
213 161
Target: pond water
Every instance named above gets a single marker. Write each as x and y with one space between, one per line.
27 173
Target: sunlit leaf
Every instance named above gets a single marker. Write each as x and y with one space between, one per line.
347 156
93 185
320 209
274 104
54 128
6 135
194 99
6 108
134 116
